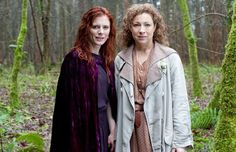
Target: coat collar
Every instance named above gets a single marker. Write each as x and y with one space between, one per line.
126 55
160 52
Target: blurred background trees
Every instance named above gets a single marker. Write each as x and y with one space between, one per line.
51 30
52 26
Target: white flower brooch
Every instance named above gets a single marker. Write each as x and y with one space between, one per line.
162 65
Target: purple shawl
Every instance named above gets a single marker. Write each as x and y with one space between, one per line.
75 120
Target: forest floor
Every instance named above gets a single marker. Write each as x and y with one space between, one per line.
37 96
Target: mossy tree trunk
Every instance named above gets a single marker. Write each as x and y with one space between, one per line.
192 48
18 55
229 9
225 134
215 101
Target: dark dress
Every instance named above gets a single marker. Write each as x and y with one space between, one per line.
79 119
102 102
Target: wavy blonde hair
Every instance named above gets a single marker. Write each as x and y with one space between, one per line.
160 34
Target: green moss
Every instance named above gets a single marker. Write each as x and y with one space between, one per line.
192 47
225 134
229 4
14 99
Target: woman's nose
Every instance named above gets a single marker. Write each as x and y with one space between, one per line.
100 31
142 29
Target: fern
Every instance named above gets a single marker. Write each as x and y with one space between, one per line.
204 119
34 140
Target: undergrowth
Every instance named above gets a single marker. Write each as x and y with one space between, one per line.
30 126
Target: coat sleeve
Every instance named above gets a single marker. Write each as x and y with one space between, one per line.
119 133
181 112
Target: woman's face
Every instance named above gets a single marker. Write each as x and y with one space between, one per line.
142 29
99 31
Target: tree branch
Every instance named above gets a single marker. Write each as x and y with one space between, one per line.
208 14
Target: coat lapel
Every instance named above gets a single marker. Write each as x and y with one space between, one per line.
154 72
126 71
159 53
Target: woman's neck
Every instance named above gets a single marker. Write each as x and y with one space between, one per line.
142 53
144 48
95 50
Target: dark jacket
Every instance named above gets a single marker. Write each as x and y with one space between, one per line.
75 120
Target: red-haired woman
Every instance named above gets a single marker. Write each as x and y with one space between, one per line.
85 108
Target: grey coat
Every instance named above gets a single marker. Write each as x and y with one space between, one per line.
166 104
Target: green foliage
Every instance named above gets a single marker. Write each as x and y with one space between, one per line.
4 113
203 122
194 108
48 86
34 141
45 85
28 142
201 143
210 76
32 116
11 146
39 87
215 101
4 80
204 119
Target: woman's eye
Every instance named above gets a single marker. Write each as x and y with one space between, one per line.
147 25
95 27
136 25
105 27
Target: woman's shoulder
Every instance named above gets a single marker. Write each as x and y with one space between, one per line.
125 53
73 53
121 55
165 49
71 57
